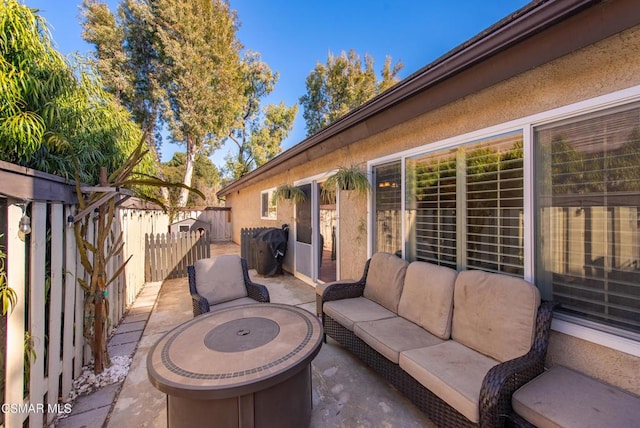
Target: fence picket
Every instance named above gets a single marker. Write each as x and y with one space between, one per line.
55 306
173 252
14 385
37 300
70 287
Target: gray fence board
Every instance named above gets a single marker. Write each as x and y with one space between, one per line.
168 255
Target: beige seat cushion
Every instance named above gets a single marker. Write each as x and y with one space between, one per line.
350 311
451 371
220 279
393 335
427 297
494 314
385 279
561 397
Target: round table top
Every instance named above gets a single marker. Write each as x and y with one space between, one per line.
234 351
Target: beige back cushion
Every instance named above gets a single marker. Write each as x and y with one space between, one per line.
494 314
220 279
427 297
385 279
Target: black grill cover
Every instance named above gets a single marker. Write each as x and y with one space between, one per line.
270 248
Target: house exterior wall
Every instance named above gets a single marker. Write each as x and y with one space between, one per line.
599 69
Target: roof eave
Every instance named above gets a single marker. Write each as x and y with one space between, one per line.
522 24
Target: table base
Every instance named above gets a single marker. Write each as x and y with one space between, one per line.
286 404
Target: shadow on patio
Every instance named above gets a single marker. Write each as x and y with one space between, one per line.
345 392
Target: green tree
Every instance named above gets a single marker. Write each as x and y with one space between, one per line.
128 61
53 113
258 133
201 73
206 178
175 62
342 84
33 78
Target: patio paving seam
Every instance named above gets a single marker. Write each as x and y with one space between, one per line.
94 409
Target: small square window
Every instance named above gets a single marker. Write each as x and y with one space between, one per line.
268 207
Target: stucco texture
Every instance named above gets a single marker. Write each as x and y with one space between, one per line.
610 65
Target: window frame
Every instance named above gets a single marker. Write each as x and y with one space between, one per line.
272 207
593 332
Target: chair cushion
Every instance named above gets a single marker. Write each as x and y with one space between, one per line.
494 314
385 279
350 311
427 297
393 335
451 371
220 279
561 397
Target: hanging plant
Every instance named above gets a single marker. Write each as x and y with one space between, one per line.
289 192
347 178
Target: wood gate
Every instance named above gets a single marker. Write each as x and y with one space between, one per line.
168 255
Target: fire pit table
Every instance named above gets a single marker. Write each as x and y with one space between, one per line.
245 366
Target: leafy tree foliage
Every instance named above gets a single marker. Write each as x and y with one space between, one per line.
200 55
342 84
128 62
206 178
53 113
258 133
177 60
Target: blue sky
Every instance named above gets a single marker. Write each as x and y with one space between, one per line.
293 35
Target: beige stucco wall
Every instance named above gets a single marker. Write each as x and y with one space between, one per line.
600 362
610 65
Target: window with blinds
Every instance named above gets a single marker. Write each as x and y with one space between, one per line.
465 205
387 183
587 173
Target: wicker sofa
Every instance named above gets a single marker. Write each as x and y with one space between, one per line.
456 344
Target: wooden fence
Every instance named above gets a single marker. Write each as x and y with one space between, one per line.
247 249
218 220
168 255
43 268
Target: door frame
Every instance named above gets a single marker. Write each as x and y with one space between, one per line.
315 181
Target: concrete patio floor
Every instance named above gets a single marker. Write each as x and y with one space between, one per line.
346 393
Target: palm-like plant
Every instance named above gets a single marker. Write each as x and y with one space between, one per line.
289 192
346 178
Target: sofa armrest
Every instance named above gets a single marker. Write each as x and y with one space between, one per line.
256 291
342 290
504 379
346 289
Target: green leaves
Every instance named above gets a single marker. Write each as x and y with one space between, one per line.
341 85
8 296
52 110
257 133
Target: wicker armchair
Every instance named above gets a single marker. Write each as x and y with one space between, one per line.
222 282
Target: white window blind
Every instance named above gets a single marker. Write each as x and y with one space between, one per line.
387 182
588 202
465 205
